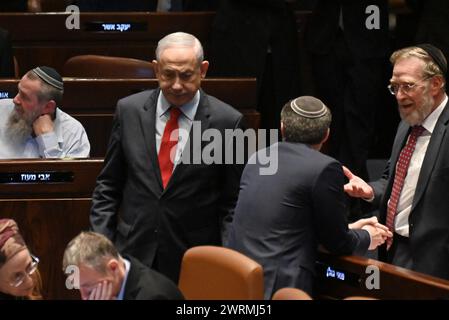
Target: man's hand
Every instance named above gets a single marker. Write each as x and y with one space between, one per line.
357 187
378 234
102 291
362 222
43 124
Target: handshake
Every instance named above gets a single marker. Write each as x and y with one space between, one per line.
378 232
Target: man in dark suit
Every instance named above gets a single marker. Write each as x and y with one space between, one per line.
348 45
432 23
115 5
281 219
14 6
412 193
105 275
258 38
167 205
6 56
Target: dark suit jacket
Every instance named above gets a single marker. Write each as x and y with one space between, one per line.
155 225
6 56
14 6
280 219
116 5
433 25
323 27
241 34
144 283
200 5
429 217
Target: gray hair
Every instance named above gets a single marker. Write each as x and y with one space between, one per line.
180 39
47 91
431 69
91 249
301 129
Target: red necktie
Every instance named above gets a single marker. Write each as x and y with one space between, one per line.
167 150
399 177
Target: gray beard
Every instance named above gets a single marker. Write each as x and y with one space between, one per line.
418 116
18 128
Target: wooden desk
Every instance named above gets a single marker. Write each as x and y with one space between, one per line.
49 214
394 282
93 101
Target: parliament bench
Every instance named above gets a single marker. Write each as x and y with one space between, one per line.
50 200
341 276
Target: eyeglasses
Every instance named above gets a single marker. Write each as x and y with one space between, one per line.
19 278
406 88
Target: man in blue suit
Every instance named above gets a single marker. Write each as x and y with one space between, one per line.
280 219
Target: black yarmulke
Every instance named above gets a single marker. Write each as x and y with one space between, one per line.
436 54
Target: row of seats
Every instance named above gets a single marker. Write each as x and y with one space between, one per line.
217 273
99 66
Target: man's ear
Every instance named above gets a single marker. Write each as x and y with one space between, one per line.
113 265
326 136
155 67
203 68
50 107
282 130
436 83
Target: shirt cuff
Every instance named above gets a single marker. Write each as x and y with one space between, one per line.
47 142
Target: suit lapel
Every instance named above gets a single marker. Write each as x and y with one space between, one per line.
201 117
148 123
433 149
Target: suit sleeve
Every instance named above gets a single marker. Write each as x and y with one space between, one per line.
107 195
231 183
380 185
330 215
6 55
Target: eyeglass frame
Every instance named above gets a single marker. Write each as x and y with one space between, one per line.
31 269
409 86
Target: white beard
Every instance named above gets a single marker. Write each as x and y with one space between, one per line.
18 128
418 116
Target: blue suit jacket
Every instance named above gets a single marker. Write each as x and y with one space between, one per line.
281 219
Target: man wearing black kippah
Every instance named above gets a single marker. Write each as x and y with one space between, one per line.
33 126
281 218
413 193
